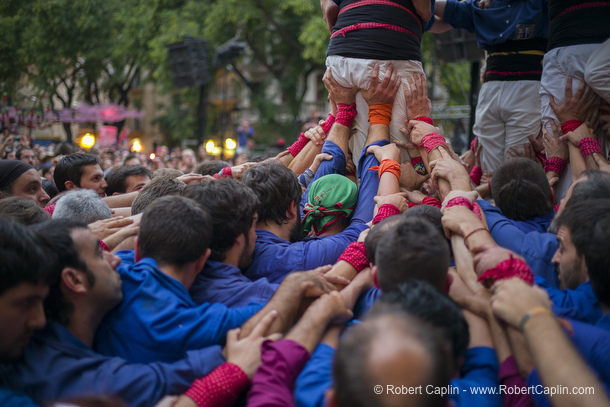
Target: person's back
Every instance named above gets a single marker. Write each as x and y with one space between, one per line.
377 32
158 320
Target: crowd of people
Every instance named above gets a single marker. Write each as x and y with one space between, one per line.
366 265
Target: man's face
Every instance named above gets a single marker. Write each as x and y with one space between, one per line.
570 266
21 313
246 257
29 186
102 264
135 182
27 156
93 178
188 157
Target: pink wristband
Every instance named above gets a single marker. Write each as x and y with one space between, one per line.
355 255
328 123
424 119
221 387
298 145
385 211
431 141
588 146
512 267
226 172
346 114
103 246
555 164
570 125
476 174
431 202
461 201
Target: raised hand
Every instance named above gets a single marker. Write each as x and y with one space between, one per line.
384 92
418 104
338 93
553 145
574 107
246 352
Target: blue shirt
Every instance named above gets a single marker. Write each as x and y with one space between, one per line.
580 304
480 369
158 320
275 257
9 398
366 300
224 283
504 20
537 248
56 364
604 322
244 135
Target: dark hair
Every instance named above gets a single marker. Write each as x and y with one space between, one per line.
276 188
156 188
596 186
166 173
117 176
56 234
50 188
70 168
372 239
589 226
23 210
64 148
231 206
131 157
429 304
18 153
521 190
25 257
211 167
430 213
174 230
351 368
412 249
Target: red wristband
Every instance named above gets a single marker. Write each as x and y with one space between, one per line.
432 202
328 123
355 255
570 125
346 114
588 146
476 174
411 204
461 201
431 141
512 267
221 387
385 211
103 246
298 145
424 119
226 172
555 164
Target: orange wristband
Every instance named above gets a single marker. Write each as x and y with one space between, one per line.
380 114
389 166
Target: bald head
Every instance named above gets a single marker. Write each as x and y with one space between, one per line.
396 351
